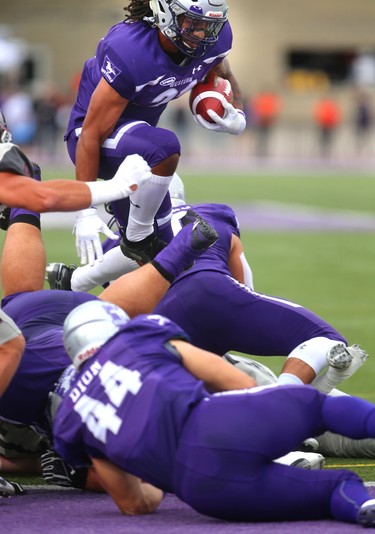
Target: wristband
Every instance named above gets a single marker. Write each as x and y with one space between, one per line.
102 192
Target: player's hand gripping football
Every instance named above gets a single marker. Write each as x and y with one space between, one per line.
233 122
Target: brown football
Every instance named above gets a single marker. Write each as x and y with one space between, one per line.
209 94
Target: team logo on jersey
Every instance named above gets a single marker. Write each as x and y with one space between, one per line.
109 70
168 81
173 82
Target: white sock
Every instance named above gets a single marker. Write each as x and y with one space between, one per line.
144 204
288 378
114 264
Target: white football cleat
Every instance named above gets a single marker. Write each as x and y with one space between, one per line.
346 360
303 460
366 514
339 357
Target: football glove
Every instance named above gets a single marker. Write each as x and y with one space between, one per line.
233 122
86 230
57 472
131 174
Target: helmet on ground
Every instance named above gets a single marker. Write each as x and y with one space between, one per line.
259 372
89 326
191 25
5 135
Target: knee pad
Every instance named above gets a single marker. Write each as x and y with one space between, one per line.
314 352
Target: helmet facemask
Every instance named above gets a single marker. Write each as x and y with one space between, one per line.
5 135
192 26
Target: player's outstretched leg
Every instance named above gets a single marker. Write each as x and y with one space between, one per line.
191 241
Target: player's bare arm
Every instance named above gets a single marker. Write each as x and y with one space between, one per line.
10 358
216 373
57 195
224 71
234 260
98 124
131 495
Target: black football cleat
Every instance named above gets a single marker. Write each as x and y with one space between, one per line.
4 218
142 251
186 247
59 276
203 236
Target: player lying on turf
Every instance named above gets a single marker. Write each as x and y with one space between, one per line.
153 414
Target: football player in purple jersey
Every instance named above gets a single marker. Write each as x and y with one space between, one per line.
159 52
144 409
220 312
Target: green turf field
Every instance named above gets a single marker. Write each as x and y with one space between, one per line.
332 273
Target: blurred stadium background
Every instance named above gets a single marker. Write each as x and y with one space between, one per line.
288 57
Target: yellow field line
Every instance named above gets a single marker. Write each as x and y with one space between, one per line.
350 465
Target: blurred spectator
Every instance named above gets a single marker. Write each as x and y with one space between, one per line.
363 69
18 109
180 122
363 119
265 108
46 107
327 116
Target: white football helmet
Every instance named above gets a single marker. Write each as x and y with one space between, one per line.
89 326
261 374
181 20
177 191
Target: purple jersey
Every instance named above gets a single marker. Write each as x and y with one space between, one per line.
219 314
130 402
40 315
132 61
134 404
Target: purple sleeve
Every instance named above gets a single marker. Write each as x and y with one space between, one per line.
114 70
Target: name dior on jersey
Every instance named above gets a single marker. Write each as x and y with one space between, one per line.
86 379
